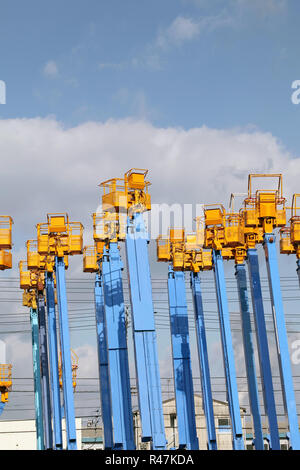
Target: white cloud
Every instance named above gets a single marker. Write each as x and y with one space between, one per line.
184 29
180 30
46 167
50 69
216 15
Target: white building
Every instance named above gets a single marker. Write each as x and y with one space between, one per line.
222 423
21 435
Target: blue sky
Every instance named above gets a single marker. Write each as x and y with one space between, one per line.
183 63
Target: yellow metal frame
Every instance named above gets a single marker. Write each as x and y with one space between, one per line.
57 222
206 262
163 249
234 232
216 215
176 235
286 246
5 381
25 275
129 194
43 238
90 264
114 196
109 227
34 259
29 298
135 179
6 232
233 196
192 242
290 236
215 222
137 189
294 207
184 251
263 205
200 230
225 231
59 237
5 260
75 238
278 191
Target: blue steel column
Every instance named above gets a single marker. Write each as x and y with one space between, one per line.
2 406
282 340
103 365
207 398
182 367
37 379
53 362
117 349
144 334
263 348
240 273
228 356
66 353
45 372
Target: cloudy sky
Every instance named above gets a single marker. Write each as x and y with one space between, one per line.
201 92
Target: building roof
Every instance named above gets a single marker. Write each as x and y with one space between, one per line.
198 396
214 400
